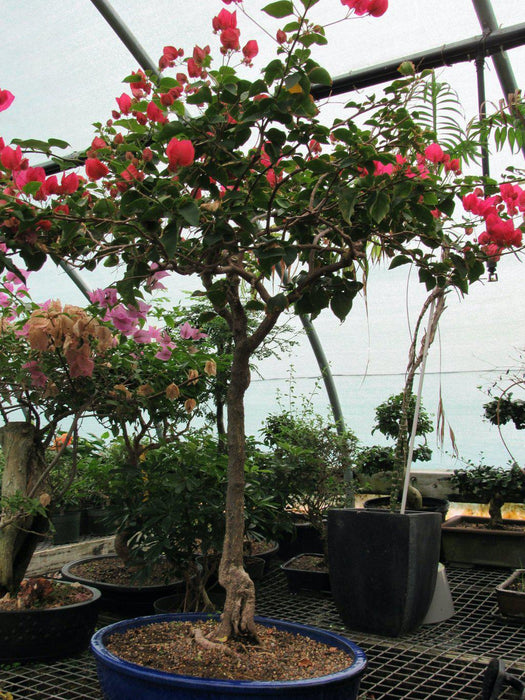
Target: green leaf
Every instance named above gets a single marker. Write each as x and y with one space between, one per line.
282 8
341 303
58 143
201 96
347 201
320 75
274 69
314 38
398 261
190 213
32 187
380 207
255 305
170 238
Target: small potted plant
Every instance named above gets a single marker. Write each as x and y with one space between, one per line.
511 595
309 463
375 466
493 540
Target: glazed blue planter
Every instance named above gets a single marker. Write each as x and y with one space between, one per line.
121 679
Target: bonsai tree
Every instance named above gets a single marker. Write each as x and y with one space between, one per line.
64 362
380 460
492 485
211 173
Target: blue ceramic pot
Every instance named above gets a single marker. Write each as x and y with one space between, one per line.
121 679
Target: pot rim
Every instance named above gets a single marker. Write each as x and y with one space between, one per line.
356 668
66 571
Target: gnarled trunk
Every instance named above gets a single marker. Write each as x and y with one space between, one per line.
19 533
239 607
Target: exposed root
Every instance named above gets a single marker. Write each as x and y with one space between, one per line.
207 644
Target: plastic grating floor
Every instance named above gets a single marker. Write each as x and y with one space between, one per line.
444 661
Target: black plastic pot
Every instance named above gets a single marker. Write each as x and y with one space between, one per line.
299 578
128 600
45 634
67 526
383 567
430 505
99 522
304 538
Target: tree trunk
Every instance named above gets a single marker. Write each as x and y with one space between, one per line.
239 607
24 464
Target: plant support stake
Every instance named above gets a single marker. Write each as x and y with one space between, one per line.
417 407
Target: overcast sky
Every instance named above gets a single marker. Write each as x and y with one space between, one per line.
64 65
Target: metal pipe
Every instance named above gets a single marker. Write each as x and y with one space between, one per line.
458 52
489 24
125 35
482 109
326 373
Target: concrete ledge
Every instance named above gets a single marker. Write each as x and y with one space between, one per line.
54 558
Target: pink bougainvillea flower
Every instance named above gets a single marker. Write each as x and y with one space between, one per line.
124 103
230 39
434 153
95 169
23 177
180 153
131 173
69 183
104 297
250 51
383 168
377 7
155 114
98 143
38 378
11 158
187 332
224 20
281 36
6 99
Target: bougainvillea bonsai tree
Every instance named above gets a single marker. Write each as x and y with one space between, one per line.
61 363
207 169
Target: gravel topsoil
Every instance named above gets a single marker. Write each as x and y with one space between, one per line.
280 656
113 570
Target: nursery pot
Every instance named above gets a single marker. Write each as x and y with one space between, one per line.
67 526
383 567
99 522
48 633
302 539
121 679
